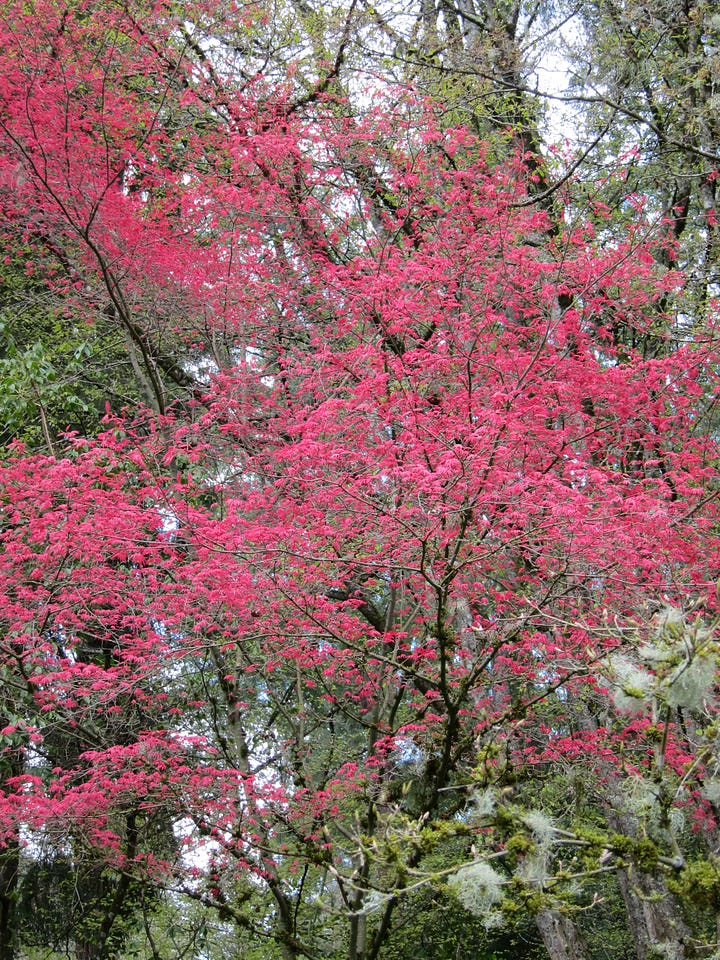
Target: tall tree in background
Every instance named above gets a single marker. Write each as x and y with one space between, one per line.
398 583
653 70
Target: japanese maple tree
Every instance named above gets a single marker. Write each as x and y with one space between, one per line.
417 529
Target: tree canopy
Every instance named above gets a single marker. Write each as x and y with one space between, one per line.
359 551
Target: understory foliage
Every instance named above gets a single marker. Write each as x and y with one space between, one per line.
378 613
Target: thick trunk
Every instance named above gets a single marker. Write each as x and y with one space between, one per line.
654 918
8 886
562 939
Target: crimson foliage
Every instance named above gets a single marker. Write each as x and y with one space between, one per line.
412 524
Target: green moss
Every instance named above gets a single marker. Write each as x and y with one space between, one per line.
517 846
504 818
596 841
645 854
621 844
654 734
698 883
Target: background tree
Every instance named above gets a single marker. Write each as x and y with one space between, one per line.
651 70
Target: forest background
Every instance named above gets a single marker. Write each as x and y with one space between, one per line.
359 543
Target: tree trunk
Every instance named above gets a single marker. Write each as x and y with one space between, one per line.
9 864
654 918
562 939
